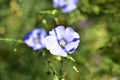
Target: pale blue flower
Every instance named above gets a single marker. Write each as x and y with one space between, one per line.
61 41
35 38
66 5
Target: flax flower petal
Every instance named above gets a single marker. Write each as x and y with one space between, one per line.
70 34
54 47
71 47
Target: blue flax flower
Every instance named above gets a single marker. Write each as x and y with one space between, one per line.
35 38
61 41
66 5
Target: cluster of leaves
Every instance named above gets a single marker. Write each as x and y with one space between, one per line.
97 57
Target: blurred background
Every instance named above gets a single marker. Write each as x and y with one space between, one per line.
96 58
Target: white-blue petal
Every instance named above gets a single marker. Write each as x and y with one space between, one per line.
58 3
43 32
71 47
70 34
30 41
69 8
54 47
42 37
75 1
37 46
58 32
35 32
72 1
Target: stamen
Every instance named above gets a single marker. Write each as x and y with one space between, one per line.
62 43
65 1
36 40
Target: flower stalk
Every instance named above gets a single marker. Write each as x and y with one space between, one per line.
11 40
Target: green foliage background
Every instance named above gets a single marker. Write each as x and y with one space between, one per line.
96 58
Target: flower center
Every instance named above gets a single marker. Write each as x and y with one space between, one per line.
65 2
36 40
62 43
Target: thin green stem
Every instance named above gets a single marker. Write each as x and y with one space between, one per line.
11 40
61 68
53 12
52 69
71 60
